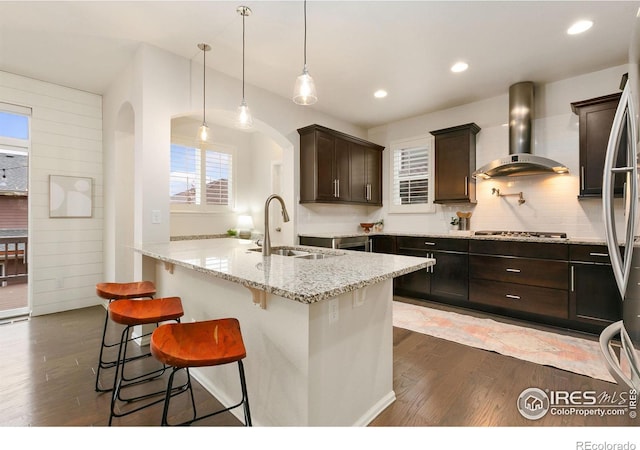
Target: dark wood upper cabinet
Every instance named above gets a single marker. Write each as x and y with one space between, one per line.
339 168
595 118
455 161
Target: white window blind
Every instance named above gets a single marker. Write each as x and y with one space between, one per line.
200 178
411 176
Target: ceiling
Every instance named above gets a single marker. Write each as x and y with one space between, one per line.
353 47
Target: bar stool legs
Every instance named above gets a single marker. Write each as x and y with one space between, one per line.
170 392
200 344
111 292
131 313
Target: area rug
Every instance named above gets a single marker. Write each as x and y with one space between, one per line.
569 353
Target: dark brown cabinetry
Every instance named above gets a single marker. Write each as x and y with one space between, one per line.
338 168
382 243
521 276
595 117
447 280
594 297
455 161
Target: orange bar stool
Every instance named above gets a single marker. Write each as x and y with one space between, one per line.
200 344
111 292
131 313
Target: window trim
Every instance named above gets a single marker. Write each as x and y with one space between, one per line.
181 208
418 141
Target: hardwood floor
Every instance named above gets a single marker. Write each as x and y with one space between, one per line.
47 379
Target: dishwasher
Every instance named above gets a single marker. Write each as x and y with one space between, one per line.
358 243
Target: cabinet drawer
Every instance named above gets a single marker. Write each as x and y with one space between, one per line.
530 299
590 253
432 244
550 274
542 250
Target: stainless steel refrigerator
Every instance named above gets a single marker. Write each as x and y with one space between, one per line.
620 341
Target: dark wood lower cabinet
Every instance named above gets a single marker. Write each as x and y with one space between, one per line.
447 280
594 296
558 284
518 297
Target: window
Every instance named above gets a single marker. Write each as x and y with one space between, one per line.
411 176
14 126
201 179
14 148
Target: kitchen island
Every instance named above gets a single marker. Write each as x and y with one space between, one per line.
318 332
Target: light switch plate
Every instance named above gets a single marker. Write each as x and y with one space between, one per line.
156 216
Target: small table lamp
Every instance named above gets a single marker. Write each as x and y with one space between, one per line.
245 225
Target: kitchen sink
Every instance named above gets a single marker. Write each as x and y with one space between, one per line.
302 254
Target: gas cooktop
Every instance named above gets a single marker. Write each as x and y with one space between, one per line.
522 234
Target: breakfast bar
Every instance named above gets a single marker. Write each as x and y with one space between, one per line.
316 322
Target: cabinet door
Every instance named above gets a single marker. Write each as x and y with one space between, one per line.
455 159
358 173
452 160
450 277
383 244
595 117
366 175
415 284
343 170
325 167
594 296
373 163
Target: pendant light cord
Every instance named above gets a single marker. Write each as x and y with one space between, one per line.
305 33
243 16
204 84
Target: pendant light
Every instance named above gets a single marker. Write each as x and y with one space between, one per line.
244 119
203 132
304 92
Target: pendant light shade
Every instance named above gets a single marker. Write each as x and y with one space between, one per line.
244 119
304 92
203 131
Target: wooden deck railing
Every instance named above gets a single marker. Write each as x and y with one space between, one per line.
13 259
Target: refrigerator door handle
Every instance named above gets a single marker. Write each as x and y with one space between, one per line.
621 264
613 364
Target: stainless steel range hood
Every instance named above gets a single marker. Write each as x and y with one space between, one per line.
520 161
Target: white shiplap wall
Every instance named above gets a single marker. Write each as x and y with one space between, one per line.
65 255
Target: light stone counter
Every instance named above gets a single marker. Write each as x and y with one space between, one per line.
302 280
573 240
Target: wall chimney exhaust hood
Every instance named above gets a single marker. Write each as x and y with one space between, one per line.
520 161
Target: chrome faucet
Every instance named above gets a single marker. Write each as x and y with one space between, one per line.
266 242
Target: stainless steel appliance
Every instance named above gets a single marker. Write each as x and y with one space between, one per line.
521 161
358 243
623 365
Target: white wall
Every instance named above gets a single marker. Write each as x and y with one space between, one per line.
65 255
551 200
160 86
255 155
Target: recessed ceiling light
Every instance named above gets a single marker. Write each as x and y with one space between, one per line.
459 67
380 93
580 27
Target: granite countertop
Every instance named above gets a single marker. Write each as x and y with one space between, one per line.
302 280
460 235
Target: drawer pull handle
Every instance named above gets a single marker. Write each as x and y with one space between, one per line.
514 297
429 243
513 270
606 255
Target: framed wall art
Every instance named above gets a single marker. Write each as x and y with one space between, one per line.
70 196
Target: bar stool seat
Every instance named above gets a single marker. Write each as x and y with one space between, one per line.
111 292
200 344
130 313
